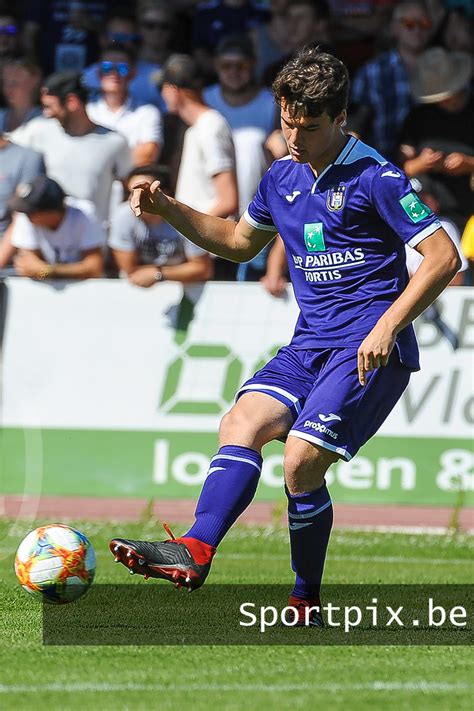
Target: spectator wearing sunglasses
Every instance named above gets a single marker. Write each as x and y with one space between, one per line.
121 28
381 96
141 125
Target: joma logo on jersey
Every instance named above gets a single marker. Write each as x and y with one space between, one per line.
415 209
335 198
314 237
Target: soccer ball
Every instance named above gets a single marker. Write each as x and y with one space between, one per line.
55 563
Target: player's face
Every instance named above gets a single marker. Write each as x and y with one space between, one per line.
309 138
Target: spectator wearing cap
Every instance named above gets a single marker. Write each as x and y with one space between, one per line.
381 97
141 124
55 240
83 157
207 179
147 249
122 28
251 114
437 139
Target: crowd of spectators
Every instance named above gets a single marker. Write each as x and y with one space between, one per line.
96 96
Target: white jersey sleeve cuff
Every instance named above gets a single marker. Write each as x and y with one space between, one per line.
258 225
425 233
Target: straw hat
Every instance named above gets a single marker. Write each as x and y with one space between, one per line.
439 74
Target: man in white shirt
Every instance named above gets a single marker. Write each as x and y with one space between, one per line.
55 240
83 157
122 28
207 176
140 124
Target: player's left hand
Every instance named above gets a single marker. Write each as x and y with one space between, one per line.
145 276
374 351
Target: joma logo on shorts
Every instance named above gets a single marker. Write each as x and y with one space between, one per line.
320 428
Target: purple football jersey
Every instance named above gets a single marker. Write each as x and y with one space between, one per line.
344 234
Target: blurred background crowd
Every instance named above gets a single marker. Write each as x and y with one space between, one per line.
96 96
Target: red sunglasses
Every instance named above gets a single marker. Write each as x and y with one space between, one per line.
411 22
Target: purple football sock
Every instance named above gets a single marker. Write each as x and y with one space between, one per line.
228 490
310 518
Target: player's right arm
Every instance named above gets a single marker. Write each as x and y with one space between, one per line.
237 241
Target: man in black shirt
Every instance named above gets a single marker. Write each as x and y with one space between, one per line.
438 135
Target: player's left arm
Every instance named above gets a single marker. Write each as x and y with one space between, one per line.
440 264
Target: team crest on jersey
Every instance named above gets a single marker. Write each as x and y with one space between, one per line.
335 199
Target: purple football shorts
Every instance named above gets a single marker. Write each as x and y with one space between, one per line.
322 391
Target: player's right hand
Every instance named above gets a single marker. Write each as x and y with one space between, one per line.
148 197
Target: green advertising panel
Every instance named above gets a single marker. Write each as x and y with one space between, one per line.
174 464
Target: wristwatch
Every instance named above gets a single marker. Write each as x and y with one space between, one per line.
159 276
45 273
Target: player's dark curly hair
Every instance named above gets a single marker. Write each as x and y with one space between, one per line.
312 82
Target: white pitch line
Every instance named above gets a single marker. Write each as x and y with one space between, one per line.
351 559
375 686
411 530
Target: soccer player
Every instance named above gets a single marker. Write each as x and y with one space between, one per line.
344 214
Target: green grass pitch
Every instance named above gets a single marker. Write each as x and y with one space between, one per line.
221 677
